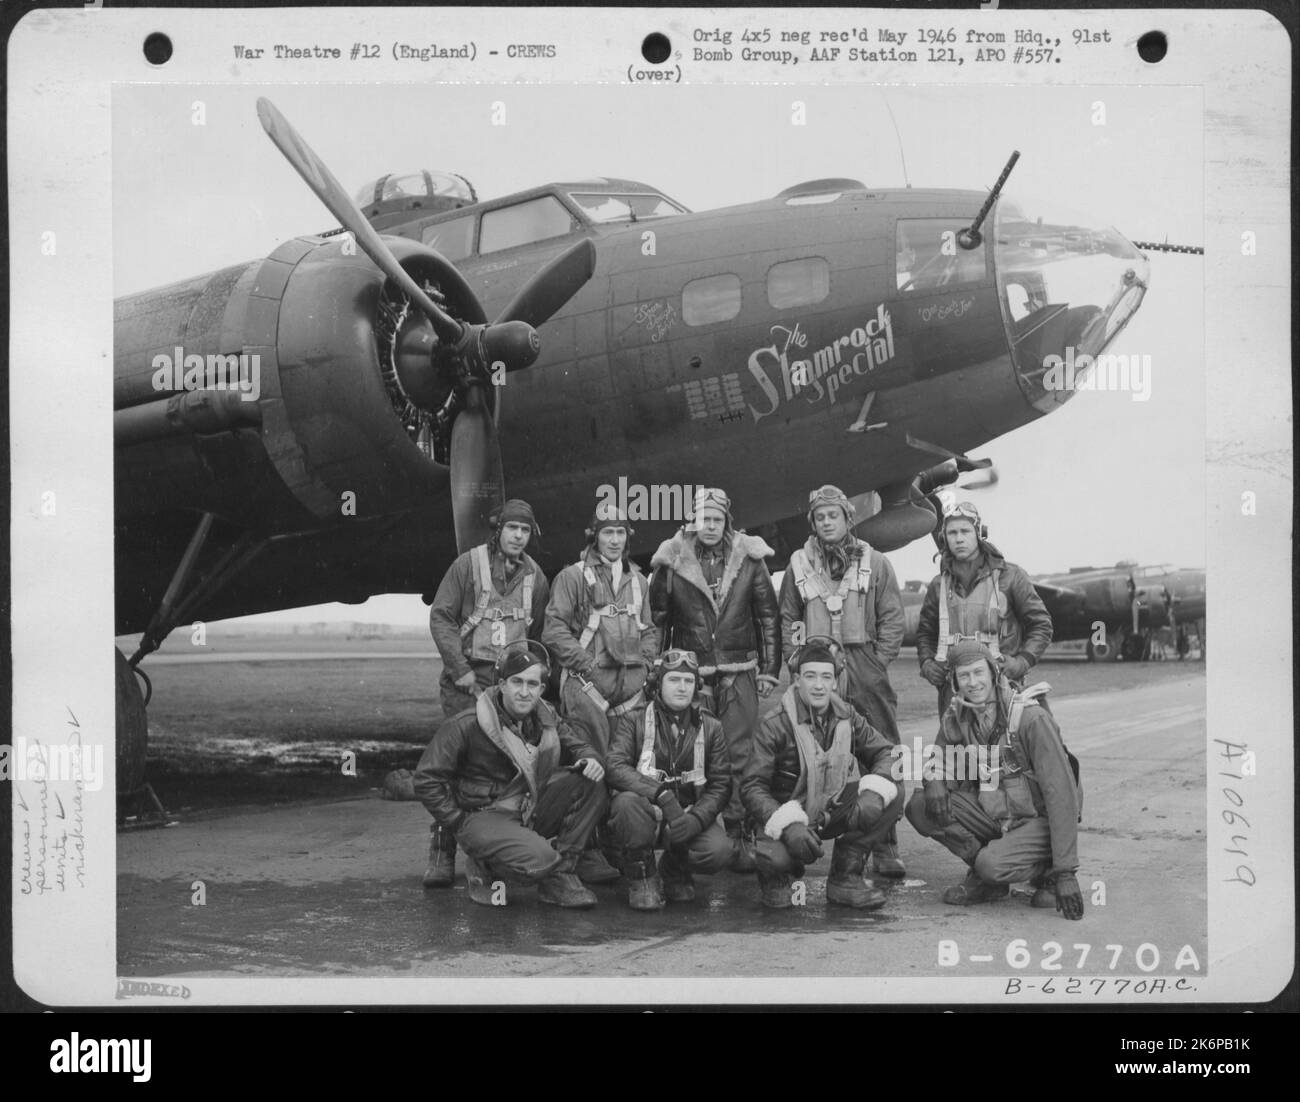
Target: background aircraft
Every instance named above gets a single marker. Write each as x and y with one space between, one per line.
1131 601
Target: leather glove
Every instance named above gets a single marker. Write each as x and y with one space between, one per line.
934 672
842 812
589 768
803 844
936 805
684 828
669 805
1069 899
1015 667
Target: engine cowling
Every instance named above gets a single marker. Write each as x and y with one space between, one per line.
319 337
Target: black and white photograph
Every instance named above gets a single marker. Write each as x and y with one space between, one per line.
571 534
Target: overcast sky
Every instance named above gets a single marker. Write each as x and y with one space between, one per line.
1102 479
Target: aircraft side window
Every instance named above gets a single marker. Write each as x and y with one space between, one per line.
798 282
711 299
534 220
928 257
454 239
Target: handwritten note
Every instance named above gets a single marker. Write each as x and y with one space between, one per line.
50 782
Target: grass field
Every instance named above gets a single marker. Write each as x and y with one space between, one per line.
248 727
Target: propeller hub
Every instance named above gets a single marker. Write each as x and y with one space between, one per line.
512 343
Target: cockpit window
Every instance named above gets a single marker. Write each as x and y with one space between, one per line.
534 220
624 208
930 258
454 238
1153 571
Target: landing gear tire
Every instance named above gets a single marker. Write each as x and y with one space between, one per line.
132 728
1107 651
137 803
1184 643
1133 648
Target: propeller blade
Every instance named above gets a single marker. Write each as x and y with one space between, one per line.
553 286
477 482
337 201
988 477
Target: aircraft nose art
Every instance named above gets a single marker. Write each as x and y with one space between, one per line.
1068 284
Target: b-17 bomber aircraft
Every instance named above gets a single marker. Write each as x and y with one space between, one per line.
1118 608
867 337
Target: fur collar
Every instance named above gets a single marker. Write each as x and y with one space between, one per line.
678 555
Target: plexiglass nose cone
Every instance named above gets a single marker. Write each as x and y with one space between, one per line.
1068 284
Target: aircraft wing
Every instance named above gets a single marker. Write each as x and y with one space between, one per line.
1062 602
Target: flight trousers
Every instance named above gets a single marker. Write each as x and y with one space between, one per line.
568 810
868 689
597 726
1022 853
732 699
633 826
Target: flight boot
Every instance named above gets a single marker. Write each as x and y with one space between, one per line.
973 890
478 879
679 884
774 889
594 867
742 858
441 870
645 891
885 859
562 888
845 884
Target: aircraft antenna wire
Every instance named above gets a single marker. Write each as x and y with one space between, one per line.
899 138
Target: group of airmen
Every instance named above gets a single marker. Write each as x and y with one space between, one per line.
660 761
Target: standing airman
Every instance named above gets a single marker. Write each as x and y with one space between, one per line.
839 586
978 595
711 594
491 596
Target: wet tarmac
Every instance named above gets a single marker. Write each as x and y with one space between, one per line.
332 888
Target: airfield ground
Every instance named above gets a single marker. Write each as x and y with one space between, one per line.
310 873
